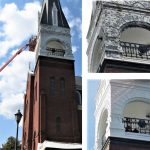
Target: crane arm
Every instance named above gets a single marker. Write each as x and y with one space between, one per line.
11 59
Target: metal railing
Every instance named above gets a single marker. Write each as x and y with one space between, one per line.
136 125
56 52
135 50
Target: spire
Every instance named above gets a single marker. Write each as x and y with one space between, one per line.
52 14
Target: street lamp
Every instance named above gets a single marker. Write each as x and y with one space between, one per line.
18 117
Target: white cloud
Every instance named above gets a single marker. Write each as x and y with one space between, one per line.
86 15
67 13
18 25
74 49
13 84
77 23
74 22
10 105
73 1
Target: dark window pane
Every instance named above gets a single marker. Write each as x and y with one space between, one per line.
58 123
52 86
62 86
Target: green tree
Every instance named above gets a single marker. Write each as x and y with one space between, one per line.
10 144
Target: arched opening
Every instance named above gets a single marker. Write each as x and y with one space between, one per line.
102 129
55 44
135 40
55 48
97 54
78 98
136 117
136 35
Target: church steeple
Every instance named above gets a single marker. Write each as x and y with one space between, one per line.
54 38
52 14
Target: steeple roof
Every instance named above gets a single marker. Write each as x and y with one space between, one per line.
47 13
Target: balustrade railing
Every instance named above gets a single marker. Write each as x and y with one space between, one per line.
136 125
56 52
135 50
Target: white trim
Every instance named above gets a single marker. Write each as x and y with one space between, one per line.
59 145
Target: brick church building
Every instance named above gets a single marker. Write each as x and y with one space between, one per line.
53 99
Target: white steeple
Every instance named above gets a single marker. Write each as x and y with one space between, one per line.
54 39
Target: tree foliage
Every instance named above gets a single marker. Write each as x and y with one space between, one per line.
10 144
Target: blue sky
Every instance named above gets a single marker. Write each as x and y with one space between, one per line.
92 90
15 18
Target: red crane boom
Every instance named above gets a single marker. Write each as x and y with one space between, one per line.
17 53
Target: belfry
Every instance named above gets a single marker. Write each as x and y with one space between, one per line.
119 36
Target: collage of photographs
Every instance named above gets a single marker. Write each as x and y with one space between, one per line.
74 74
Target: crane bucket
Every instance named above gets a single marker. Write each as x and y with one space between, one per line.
32 43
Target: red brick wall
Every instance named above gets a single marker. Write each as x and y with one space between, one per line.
28 114
63 106
40 119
